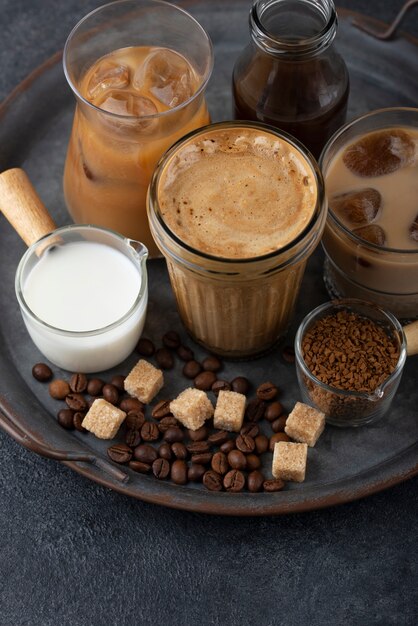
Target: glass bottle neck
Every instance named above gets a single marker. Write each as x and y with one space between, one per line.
293 28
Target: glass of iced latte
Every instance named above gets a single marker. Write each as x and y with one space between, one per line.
371 235
138 69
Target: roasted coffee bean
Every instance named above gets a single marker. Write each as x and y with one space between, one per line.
228 446
145 347
110 393
237 460
220 385
204 380
220 463
76 401
234 481
59 389
195 472
78 420
164 359
273 411
42 372
179 450
198 435
133 437
120 453
219 438
95 386
179 472
245 444
198 447
255 481
65 418
184 353
161 409
273 485
202 459
212 481
139 466
164 451
249 429
166 423
78 383
255 410
173 434
276 438
145 453
253 462
288 354
118 381
149 431
278 425
134 420
161 468
240 384
261 444
131 404
191 369
171 340
267 391
212 363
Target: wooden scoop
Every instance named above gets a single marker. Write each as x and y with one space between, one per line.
411 334
22 207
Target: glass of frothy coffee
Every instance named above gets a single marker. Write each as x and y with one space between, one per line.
236 208
138 69
371 235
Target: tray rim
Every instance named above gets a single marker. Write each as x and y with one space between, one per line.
224 504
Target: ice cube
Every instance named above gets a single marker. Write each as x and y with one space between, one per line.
413 230
127 103
357 207
107 75
372 233
380 153
167 76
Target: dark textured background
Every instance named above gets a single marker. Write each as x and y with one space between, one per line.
73 553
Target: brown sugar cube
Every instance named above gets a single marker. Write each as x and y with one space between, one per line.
305 424
289 461
144 381
229 411
103 419
192 408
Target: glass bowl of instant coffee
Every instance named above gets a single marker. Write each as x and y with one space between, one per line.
370 239
349 360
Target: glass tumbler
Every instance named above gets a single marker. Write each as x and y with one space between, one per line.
235 307
355 267
118 134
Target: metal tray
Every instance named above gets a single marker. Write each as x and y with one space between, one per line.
345 464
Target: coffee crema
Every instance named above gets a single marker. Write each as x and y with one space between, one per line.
237 193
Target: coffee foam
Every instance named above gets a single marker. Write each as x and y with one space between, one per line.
237 193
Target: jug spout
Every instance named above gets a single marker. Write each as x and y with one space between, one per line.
376 395
140 249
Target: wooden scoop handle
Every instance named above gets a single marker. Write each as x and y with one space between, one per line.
22 207
411 333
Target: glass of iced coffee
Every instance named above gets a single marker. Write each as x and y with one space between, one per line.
371 235
138 69
236 208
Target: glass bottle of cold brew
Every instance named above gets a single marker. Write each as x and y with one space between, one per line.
290 75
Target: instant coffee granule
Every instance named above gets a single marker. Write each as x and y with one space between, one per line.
349 352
